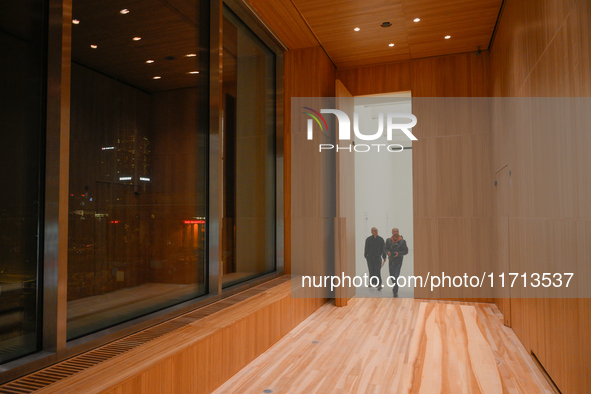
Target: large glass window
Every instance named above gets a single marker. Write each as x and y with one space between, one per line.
248 153
140 186
138 159
22 81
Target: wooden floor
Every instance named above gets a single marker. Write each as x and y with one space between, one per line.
395 346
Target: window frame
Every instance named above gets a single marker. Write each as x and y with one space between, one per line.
53 273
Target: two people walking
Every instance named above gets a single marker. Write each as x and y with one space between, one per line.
376 251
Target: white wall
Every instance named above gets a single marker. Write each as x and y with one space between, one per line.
383 188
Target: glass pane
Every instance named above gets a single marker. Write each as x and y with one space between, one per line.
248 223
22 30
138 159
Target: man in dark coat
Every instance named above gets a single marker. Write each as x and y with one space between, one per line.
374 253
396 249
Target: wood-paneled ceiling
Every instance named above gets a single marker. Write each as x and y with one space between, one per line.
170 29
470 23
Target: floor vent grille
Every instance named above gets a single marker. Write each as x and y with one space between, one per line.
43 378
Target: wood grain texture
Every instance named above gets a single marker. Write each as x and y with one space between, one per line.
308 221
542 62
452 181
451 176
460 75
333 22
345 188
395 346
451 353
541 49
501 241
201 355
469 23
384 78
286 22
340 259
435 254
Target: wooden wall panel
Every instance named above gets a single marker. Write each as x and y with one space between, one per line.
455 246
452 188
461 75
501 241
383 78
541 49
345 189
308 73
200 356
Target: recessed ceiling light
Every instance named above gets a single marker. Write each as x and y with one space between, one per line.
391 44
94 46
417 19
356 29
137 38
193 72
157 77
447 37
124 11
149 61
190 55
76 21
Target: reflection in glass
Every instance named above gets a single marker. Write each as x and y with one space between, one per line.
22 80
248 150
138 160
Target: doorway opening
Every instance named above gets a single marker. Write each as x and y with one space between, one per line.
383 188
